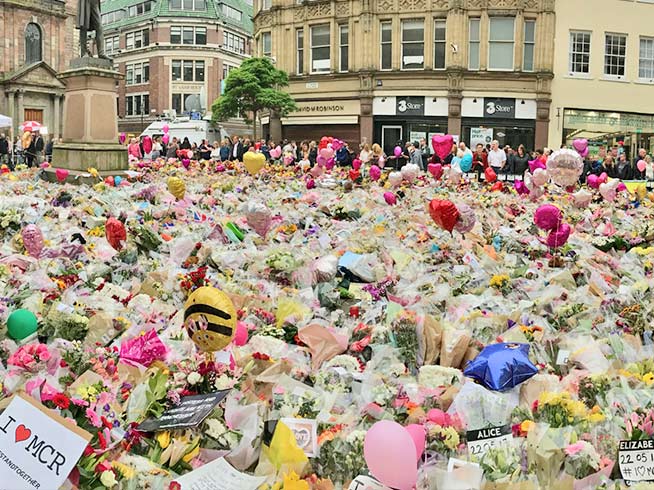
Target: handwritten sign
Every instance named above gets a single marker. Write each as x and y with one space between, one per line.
636 460
306 434
190 412
219 475
480 441
38 448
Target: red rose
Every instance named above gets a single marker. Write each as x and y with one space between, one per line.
61 401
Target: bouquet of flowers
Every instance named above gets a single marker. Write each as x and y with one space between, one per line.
592 389
639 425
341 456
502 464
560 410
34 358
582 460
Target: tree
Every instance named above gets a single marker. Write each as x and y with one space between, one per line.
254 86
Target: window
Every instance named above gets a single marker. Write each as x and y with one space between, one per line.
386 45
188 35
474 40
300 51
137 39
413 44
266 45
137 73
615 53
320 49
187 71
112 44
530 41
226 70
137 105
232 13
439 45
33 44
343 31
266 4
197 5
646 58
111 17
179 102
500 43
579 53
139 9
234 43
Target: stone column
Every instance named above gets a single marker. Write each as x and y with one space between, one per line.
56 117
543 123
11 108
454 114
20 116
366 120
275 126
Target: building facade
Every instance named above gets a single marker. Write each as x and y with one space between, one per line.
604 65
175 55
390 70
38 41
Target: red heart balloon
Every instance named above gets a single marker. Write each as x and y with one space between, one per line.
444 213
355 174
490 175
436 169
497 186
115 233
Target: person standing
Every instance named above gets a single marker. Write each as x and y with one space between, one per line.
520 161
49 146
171 150
4 150
237 149
479 160
225 150
425 152
496 157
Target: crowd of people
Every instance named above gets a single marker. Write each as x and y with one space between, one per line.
503 160
31 149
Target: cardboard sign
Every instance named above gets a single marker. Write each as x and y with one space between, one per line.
636 460
191 412
365 483
38 448
306 434
219 475
480 441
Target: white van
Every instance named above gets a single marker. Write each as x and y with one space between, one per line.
184 127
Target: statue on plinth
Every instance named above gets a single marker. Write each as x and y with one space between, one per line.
89 19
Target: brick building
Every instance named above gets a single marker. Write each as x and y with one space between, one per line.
174 55
37 40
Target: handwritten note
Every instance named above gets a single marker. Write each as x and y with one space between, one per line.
219 475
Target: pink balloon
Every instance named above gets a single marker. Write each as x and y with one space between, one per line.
62 174
621 187
336 145
165 139
397 151
122 138
276 152
390 455
520 187
147 144
417 433
311 184
395 179
327 153
390 198
166 128
603 178
581 145
375 173
534 164
548 217
641 165
356 164
540 177
565 167
241 335
593 181
317 170
186 162
442 145
321 160
608 191
467 218
33 240
436 169
382 161
557 238
330 164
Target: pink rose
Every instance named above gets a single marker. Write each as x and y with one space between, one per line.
573 449
93 417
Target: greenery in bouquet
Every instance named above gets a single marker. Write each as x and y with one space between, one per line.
216 435
405 337
10 219
560 319
501 282
145 239
642 371
341 454
593 388
282 264
174 449
306 405
502 464
192 378
444 433
67 326
582 460
561 410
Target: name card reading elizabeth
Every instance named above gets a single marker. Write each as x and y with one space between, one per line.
38 448
636 460
191 412
480 441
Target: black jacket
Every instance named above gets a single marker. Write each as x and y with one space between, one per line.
520 164
4 146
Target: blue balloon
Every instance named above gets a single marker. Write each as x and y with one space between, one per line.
466 162
501 367
456 160
117 180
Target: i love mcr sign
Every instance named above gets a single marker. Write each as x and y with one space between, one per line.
38 448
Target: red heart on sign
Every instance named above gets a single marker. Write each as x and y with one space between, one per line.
22 433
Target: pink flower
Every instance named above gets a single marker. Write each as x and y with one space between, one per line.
438 417
573 449
93 417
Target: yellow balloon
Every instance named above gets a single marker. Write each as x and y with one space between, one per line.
254 162
210 319
176 187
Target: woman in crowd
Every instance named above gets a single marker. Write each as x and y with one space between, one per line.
365 155
377 155
134 149
173 147
157 148
313 152
215 152
205 150
520 160
610 167
186 144
225 150
343 156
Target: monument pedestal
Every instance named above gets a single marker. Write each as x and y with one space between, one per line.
90 129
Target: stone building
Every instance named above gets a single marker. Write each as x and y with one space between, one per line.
390 70
37 41
175 55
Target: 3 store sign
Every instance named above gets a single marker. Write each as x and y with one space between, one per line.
499 108
410 106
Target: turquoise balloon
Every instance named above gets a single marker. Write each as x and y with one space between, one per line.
117 180
466 162
21 324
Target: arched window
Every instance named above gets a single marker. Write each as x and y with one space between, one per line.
33 43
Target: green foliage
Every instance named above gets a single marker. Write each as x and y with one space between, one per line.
254 86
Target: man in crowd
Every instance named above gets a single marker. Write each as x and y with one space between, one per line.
415 155
237 149
4 150
496 157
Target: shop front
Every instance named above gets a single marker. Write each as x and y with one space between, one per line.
407 118
509 121
602 128
315 119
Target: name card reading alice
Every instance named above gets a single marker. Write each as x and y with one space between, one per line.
38 448
636 460
190 412
480 441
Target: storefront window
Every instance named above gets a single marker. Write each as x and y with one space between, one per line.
512 133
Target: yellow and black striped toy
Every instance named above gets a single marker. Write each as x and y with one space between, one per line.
210 319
